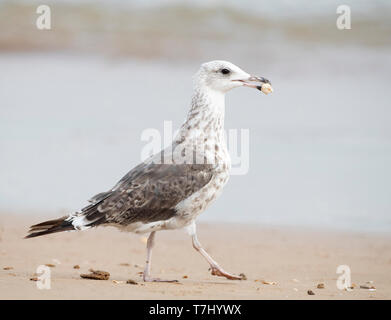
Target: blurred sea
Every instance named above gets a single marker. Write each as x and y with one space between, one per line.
74 101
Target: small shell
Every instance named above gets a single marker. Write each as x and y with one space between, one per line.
118 281
131 281
266 88
368 287
96 275
124 264
267 282
320 286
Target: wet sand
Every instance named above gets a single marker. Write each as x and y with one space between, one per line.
279 263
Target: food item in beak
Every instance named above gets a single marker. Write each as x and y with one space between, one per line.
266 88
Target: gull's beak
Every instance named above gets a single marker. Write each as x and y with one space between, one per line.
259 83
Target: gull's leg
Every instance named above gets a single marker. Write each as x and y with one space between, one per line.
216 269
147 269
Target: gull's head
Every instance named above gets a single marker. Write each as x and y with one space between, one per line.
223 76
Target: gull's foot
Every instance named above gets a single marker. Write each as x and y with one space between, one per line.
148 279
216 271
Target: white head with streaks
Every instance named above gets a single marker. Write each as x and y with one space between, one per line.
222 76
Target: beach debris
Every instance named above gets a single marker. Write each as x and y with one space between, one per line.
310 293
295 280
295 289
368 286
130 281
266 282
96 275
243 276
34 279
50 265
76 266
351 288
320 285
8 268
124 264
353 285
118 281
185 277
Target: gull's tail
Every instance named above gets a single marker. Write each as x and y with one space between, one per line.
51 226
90 216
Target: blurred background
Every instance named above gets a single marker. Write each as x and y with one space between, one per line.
75 99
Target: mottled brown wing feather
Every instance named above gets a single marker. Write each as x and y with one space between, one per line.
148 193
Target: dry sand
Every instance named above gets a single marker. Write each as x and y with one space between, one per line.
293 261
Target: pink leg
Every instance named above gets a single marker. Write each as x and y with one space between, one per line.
147 270
216 269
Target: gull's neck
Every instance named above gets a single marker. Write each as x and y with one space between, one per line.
205 119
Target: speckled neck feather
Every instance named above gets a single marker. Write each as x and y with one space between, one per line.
205 120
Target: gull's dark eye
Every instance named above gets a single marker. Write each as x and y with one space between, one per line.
225 71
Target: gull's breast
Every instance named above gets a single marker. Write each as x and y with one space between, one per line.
198 202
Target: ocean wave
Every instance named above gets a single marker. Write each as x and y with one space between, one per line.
187 29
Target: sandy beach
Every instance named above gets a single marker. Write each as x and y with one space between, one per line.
279 263
89 89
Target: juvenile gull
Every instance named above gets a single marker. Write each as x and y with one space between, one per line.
171 188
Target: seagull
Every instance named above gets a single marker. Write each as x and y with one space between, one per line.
172 188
